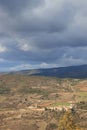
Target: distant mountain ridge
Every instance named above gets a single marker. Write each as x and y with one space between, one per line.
60 72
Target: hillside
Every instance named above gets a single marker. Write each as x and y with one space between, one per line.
79 72
36 103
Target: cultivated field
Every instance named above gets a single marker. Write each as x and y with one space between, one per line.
36 103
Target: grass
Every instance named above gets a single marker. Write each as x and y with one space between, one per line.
82 96
60 104
83 93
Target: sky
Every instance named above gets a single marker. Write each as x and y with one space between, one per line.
42 34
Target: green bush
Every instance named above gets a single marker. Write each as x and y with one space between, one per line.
4 90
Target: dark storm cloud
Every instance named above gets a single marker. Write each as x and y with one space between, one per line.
43 20
43 32
16 6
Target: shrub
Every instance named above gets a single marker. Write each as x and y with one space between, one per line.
4 90
51 126
68 121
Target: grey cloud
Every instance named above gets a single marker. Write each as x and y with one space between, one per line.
16 6
51 18
44 31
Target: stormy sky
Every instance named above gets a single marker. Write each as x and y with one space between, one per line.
42 33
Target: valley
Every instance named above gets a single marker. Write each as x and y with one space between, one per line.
34 102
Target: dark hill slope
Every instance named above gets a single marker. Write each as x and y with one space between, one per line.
61 72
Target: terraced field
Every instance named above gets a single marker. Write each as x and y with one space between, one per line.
24 101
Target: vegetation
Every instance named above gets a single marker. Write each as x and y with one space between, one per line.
20 97
4 90
68 121
51 126
28 90
82 105
60 104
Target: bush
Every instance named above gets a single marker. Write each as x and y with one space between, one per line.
68 121
51 126
4 90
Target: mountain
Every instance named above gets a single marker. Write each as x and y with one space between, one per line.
61 72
